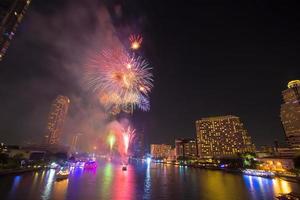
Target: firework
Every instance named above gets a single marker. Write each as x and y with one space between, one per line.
127 138
135 41
111 141
121 81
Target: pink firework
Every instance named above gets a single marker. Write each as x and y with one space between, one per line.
128 135
121 81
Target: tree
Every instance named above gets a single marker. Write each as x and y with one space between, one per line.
3 158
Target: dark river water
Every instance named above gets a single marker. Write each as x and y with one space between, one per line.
141 181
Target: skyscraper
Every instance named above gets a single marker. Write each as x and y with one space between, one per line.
56 118
223 136
11 15
290 113
139 146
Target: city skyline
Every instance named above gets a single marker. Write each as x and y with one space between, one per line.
188 86
142 99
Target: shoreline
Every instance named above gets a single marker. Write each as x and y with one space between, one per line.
18 171
236 171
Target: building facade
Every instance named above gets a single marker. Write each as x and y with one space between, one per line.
290 113
160 151
186 149
223 136
56 119
11 15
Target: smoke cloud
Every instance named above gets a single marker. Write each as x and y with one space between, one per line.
58 45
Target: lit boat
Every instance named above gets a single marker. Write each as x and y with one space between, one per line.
90 165
62 174
261 173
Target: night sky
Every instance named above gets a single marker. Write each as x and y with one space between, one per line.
209 58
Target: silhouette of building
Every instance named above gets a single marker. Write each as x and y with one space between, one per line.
11 15
56 118
223 136
139 146
290 113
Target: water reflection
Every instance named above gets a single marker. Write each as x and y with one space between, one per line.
15 184
106 182
124 184
281 186
60 189
49 182
147 182
141 181
264 187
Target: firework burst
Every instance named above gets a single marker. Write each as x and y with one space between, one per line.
135 41
121 81
128 135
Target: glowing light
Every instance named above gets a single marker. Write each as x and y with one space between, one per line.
111 140
53 165
90 165
127 137
121 82
148 160
261 173
135 41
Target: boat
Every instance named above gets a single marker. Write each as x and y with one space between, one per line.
90 165
260 173
124 168
62 174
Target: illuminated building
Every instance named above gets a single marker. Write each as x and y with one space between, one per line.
290 113
160 151
11 15
172 155
223 136
186 148
56 118
276 164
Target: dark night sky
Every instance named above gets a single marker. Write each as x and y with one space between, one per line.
209 57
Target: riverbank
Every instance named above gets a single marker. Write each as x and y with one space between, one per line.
4 172
295 179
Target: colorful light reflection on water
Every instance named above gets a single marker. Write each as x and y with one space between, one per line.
142 180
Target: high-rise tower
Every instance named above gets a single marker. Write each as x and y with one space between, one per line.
56 118
223 136
11 15
290 113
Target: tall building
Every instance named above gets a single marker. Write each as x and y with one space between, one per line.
186 148
56 118
11 15
223 136
160 151
290 113
139 146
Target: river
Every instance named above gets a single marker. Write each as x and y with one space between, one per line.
141 181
